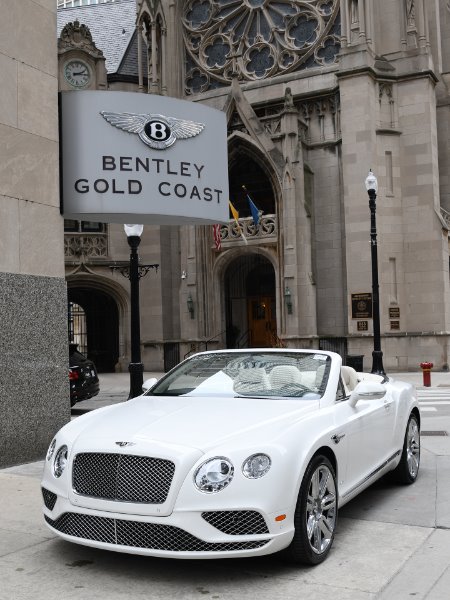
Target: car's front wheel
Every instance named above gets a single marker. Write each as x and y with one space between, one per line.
315 516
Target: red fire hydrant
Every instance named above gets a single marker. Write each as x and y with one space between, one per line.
426 370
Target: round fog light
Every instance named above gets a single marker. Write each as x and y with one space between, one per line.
256 466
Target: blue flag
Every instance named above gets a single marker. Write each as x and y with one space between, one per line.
253 209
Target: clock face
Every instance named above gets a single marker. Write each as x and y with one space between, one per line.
77 73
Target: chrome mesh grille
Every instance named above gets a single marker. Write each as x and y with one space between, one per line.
151 536
87 527
125 478
237 522
49 498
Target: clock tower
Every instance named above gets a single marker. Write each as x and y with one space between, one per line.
81 65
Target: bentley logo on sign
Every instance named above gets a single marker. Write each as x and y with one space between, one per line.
157 131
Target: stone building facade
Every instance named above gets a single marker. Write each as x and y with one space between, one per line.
34 391
315 94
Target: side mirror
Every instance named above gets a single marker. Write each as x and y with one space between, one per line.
148 383
367 390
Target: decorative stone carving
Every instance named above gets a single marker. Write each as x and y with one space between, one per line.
265 232
78 36
410 13
87 246
256 39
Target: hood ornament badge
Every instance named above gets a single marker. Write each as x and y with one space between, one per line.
123 444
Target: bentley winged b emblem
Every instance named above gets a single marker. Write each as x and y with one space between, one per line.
157 131
123 444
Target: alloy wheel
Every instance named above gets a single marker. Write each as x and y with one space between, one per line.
321 509
413 448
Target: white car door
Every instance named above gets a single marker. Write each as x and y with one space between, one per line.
368 433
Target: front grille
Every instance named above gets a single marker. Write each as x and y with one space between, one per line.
237 522
151 536
125 478
49 499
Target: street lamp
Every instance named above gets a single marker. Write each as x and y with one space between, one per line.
377 354
136 368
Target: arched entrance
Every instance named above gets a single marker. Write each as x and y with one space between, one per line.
95 316
250 302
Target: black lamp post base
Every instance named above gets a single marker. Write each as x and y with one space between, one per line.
136 379
377 363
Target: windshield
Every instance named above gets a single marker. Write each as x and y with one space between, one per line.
248 374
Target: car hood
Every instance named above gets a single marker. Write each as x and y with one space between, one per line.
195 422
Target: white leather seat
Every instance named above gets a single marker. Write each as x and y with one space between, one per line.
282 375
250 381
349 377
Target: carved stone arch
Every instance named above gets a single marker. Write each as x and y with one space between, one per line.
118 295
240 144
220 267
251 125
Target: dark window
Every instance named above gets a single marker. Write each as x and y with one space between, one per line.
71 225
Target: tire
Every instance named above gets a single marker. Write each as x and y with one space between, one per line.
407 470
315 515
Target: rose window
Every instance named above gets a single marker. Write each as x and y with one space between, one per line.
255 39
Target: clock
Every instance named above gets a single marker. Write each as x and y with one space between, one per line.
77 73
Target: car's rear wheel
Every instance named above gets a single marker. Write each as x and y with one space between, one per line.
315 516
408 467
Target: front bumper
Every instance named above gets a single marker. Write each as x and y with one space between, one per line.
183 534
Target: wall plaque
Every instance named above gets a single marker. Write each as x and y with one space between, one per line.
363 325
361 306
395 325
394 312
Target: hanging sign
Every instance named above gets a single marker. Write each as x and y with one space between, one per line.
140 158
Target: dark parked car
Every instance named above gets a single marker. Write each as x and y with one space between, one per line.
83 377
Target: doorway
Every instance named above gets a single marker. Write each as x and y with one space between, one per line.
99 334
250 303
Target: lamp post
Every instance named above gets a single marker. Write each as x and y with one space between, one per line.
136 368
377 355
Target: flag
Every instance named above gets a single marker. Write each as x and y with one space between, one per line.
235 214
217 237
253 209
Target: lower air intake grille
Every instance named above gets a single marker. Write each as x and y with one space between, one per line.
237 522
122 477
49 499
141 535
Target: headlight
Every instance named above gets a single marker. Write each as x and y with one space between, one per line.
214 475
256 466
60 462
51 449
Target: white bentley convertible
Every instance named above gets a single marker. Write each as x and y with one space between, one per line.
231 454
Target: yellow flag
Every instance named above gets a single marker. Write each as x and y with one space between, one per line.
234 212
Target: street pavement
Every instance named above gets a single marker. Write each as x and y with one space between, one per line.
392 542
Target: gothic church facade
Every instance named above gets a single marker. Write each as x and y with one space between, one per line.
316 93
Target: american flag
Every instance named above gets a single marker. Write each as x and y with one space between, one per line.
217 238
